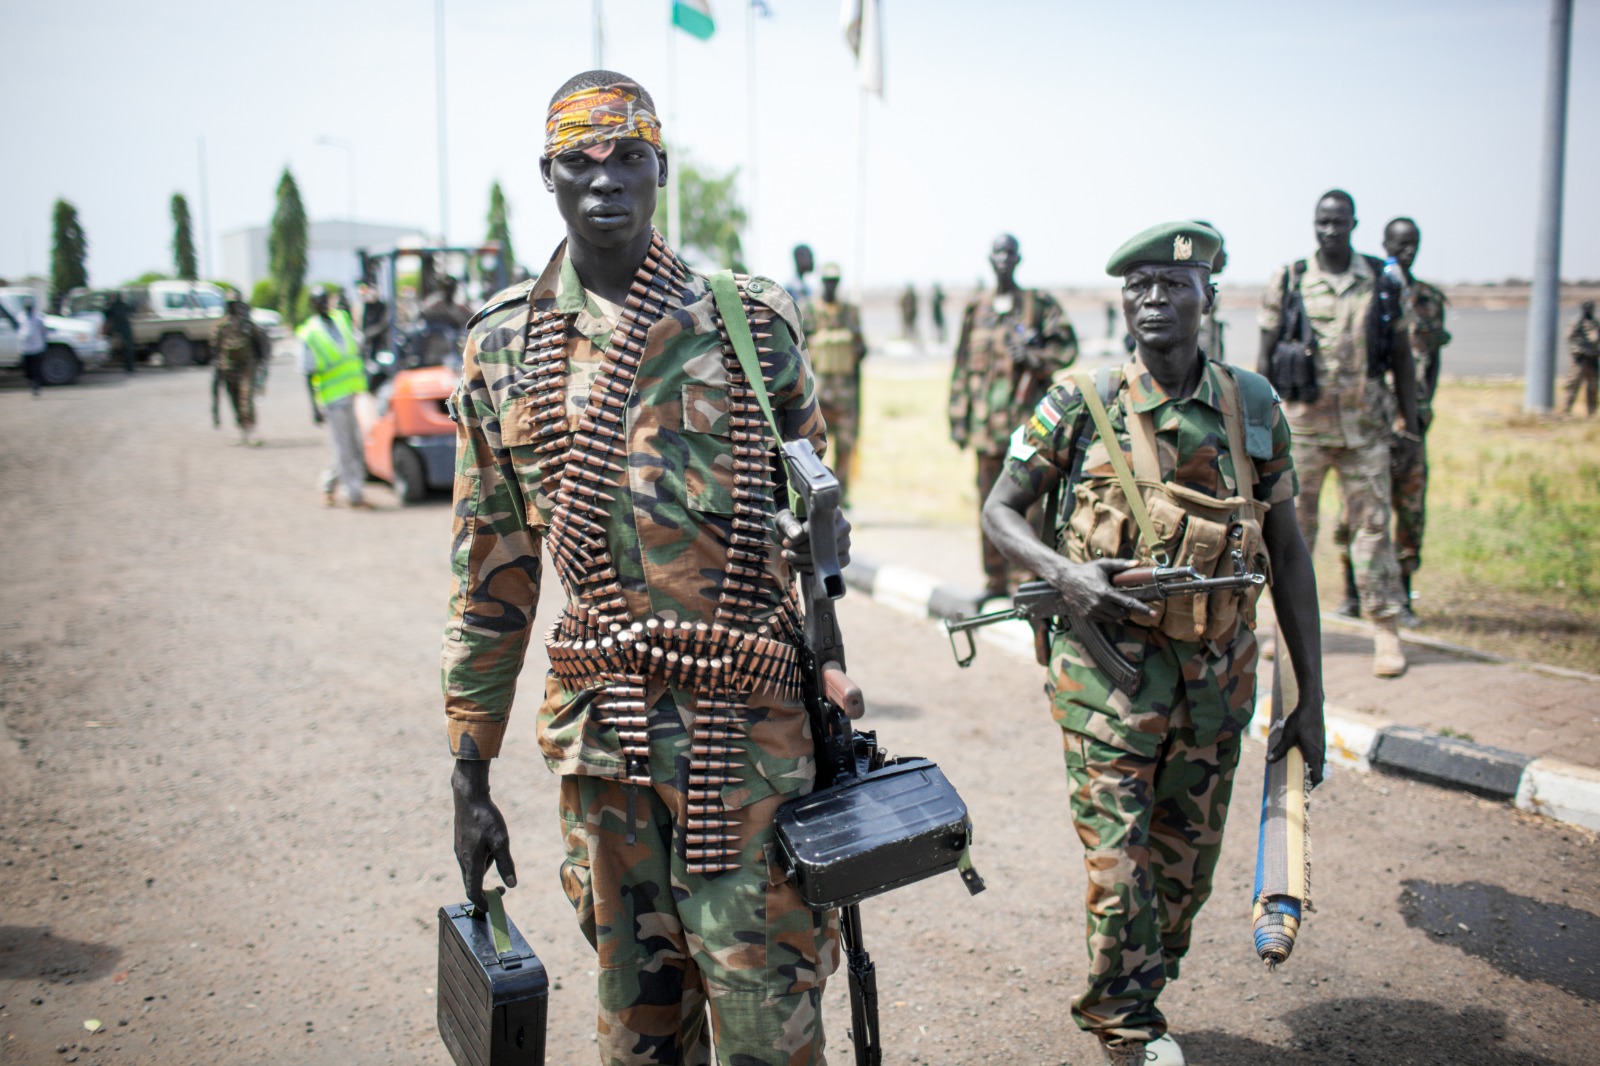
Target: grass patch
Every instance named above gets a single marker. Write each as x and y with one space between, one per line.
1511 559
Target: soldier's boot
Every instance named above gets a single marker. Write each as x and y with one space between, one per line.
1387 658
1407 616
1351 607
1123 1054
1164 1051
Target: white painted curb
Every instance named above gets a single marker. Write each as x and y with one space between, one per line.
1562 791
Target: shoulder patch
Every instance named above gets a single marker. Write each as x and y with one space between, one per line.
1020 449
1047 416
517 293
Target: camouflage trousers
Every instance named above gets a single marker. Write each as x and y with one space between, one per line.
1584 376
1409 500
671 944
1366 487
240 383
1152 832
839 397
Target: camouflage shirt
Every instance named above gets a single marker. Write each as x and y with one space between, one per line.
237 343
669 505
1424 311
1583 339
1352 409
991 391
1192 446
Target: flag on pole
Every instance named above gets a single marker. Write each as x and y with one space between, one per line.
694 18
860 22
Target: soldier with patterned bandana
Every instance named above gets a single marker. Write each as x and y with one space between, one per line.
837 346
1151 773
1013 343
239 346
604 418
1364 375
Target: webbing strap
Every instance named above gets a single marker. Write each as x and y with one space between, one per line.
726 293
1119 464
497 921
1244 468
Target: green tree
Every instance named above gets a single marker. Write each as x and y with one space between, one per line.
711 214
148 276
69 253
264 294
287 239
500 227
182 239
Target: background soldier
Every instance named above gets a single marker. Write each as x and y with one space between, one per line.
1583 343
1424 323
119 328
1012 343
837 346
330 358
1211 328
1151 774
804 263
1349 427
936 310
671 711
908 312
239 346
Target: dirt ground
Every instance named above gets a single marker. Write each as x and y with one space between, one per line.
224 808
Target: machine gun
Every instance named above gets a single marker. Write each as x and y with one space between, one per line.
832 700
1039 602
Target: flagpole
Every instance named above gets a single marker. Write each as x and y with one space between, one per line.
860 279
599 37
674 220
751 258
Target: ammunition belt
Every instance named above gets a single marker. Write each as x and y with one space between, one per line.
710 658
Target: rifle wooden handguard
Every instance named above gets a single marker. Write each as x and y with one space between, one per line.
844 693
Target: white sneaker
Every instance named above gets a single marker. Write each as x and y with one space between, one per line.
1164 1051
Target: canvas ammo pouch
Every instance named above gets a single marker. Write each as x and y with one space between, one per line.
1137 515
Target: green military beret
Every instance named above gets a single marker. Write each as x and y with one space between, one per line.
829 270
1169 244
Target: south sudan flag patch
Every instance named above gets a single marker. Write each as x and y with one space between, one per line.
1046 417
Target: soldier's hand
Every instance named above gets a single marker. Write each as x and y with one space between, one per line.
794 536
480 830
1303 729
1088 590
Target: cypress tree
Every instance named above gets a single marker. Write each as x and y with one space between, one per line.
69 253
183 258
287 239
500 227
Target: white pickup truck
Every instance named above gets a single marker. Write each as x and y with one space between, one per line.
172 319
73 345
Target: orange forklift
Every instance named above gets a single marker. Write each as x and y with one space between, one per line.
414 359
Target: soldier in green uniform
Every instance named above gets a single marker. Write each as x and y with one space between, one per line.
1013 343
605 419
837 346
1364 373
1424 323
1151 774
1211 329
1583 344
239 346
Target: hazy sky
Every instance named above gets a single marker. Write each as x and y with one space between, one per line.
1072 124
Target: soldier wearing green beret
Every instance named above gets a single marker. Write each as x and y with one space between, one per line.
833 334
1150 774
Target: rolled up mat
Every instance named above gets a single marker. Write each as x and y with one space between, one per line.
1282 886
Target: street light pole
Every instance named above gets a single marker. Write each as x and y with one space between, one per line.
444 171
350 184
1544 304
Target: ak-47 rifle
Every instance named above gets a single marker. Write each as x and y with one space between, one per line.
832 700
1040 602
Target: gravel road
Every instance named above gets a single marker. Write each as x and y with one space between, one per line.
224 804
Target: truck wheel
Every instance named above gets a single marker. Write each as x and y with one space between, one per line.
58 365
176 350
410 480
202 353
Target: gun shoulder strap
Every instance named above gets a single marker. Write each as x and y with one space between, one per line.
736 327
1119 464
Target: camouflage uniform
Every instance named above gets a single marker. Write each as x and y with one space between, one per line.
237 344
1583 342
625 442
992 392
836 345
1349 428
1151 775
1424 320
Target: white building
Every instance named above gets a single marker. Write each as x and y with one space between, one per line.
331 255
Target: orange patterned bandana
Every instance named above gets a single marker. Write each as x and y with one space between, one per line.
591 117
